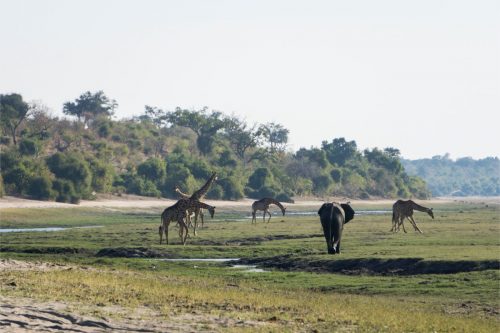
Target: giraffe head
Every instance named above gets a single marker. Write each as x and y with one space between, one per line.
211 210
430 212
283 211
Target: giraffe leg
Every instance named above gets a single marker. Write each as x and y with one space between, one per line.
269 216
195 224
401 223
264 216
160 231
394 223
414 224
202 217
183 227
166 232
254 218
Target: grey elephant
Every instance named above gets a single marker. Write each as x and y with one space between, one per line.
333 216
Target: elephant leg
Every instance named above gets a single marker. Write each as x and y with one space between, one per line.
336 243
327 232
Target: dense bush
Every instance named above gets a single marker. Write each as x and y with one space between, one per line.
72 167
65 191
40 188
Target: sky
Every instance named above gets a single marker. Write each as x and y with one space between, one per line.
421 76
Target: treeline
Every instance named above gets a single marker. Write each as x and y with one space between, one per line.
463 177
67 159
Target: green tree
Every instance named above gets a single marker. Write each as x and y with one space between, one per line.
13 112
339 151
275 135
90 105
240 136
205 125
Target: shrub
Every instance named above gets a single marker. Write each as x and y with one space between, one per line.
72 167
2 190
102 176
65 191
153 169
17 179
5 140
40 188
233 190
321 183
216 192
283 197
28 147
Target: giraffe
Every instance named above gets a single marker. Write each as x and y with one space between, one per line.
198 195
191 213
402 209
179 212
263 204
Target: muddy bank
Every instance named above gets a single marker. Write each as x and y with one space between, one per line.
372 266
123 252
250 240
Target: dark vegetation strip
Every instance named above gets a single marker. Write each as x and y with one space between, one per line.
373 266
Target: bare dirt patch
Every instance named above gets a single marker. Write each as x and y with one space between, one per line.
28 315
20 314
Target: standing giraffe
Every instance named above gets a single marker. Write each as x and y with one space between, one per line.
404 209
263 204
198 195
191 213
179 212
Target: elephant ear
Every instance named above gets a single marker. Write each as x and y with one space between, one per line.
322 209
349 212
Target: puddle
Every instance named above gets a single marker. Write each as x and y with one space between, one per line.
249 268
243 268
5 230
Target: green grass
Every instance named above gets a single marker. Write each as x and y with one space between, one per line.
301 295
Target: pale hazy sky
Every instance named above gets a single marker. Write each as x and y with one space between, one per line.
421 76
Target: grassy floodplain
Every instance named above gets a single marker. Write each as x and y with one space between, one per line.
445 280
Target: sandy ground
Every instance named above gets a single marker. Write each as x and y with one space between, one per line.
19 314
133 201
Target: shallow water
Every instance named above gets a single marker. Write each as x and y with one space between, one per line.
249 268
243 268
5 230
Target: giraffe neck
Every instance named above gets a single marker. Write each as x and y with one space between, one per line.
181 194
419 208
277 203
204 189
200 204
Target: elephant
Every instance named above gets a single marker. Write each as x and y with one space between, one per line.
333 216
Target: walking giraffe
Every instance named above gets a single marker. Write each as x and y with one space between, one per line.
198 195
263 204
404 209
178 212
